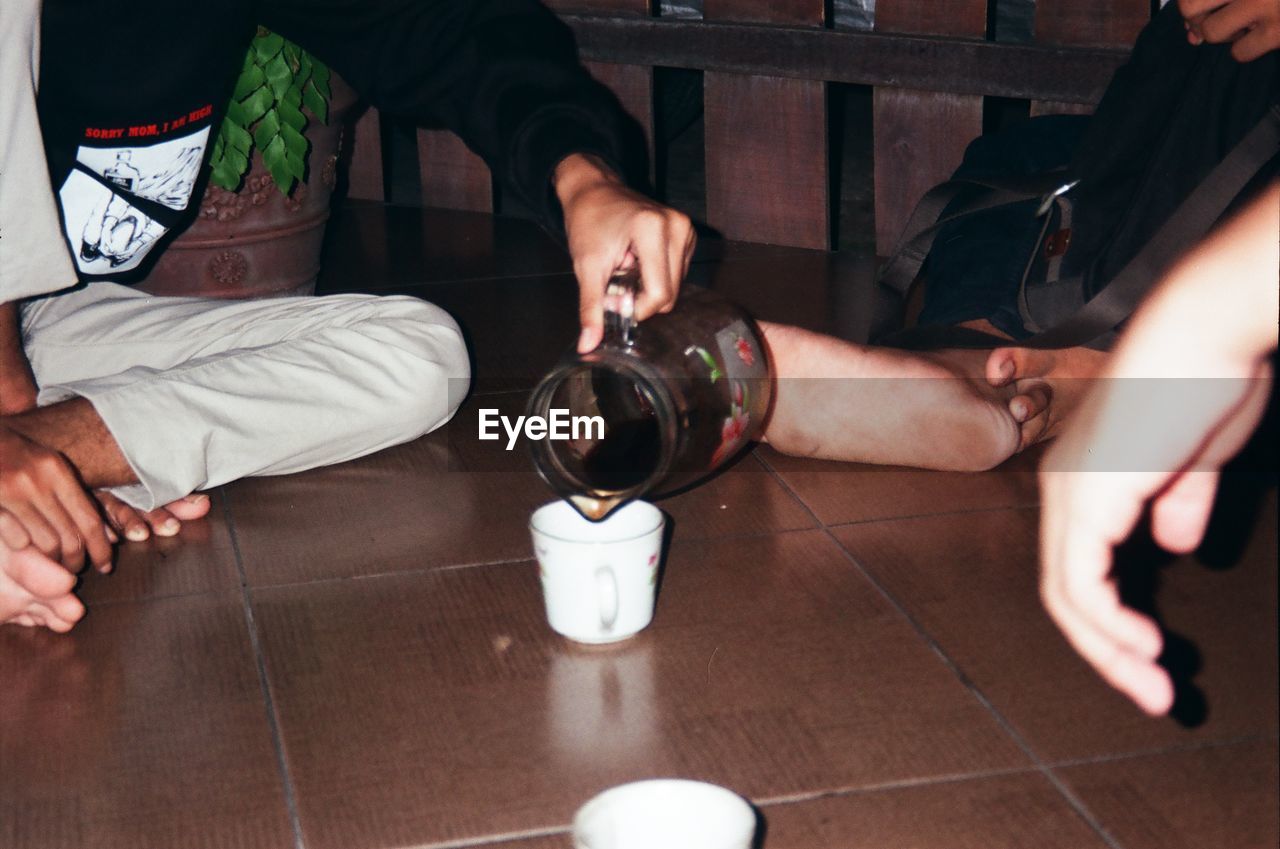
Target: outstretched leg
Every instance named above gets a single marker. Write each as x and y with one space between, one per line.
838 400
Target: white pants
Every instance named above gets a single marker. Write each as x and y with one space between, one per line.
198 392
33 251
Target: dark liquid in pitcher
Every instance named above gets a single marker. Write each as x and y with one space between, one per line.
626 457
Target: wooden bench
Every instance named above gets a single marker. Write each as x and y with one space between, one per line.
767 68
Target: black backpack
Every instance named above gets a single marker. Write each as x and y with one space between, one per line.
1089 216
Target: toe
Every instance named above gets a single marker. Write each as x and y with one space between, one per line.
1031 400
40 615
1007 365
40 576
67 608
1033 430
1029 406
1001 366
194 506
48 619
126 519
162 522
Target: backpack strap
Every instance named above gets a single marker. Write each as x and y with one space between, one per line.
1189 223
1096 321
904 263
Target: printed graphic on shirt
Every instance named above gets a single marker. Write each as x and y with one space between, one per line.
118 201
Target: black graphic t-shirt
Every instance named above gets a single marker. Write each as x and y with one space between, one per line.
132 95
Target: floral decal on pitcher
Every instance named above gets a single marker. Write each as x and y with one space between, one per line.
733 433
705 356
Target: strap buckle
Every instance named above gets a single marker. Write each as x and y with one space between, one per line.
1046 202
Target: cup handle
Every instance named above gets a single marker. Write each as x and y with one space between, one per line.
607 597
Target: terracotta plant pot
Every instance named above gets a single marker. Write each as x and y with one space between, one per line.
257 242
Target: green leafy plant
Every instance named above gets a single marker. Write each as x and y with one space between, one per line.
277 81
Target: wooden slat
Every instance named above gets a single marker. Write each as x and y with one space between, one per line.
920 136
1087 22
797 12
932 17
766 142
620 8
768 170
1050 107
450 175
633 86
956 66
1102 23
364 174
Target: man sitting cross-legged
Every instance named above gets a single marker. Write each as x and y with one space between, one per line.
116 407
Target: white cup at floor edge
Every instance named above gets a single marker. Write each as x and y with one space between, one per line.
665 813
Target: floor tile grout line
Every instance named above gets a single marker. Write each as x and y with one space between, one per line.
108 602
777 473
505 561
1017 739
972 511
506 837
888 786
273 717
767 802
1175 749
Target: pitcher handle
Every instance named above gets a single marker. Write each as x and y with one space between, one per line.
620 307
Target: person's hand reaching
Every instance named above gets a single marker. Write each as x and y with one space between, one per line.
612 228
1157 441
1185 387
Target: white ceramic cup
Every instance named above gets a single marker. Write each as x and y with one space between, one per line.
665 813
598 578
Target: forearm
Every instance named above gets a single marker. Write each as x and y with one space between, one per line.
577 173
17 385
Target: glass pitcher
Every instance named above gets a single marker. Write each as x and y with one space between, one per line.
663 404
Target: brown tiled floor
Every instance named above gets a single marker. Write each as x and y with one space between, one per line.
357 657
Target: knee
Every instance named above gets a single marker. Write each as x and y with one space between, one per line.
430 366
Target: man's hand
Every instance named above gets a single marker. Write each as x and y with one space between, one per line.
43 502
1185 387
611 228
1157 440
1252 26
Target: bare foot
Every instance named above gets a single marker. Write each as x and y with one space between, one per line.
838 400
137 525
1034 376
36 591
